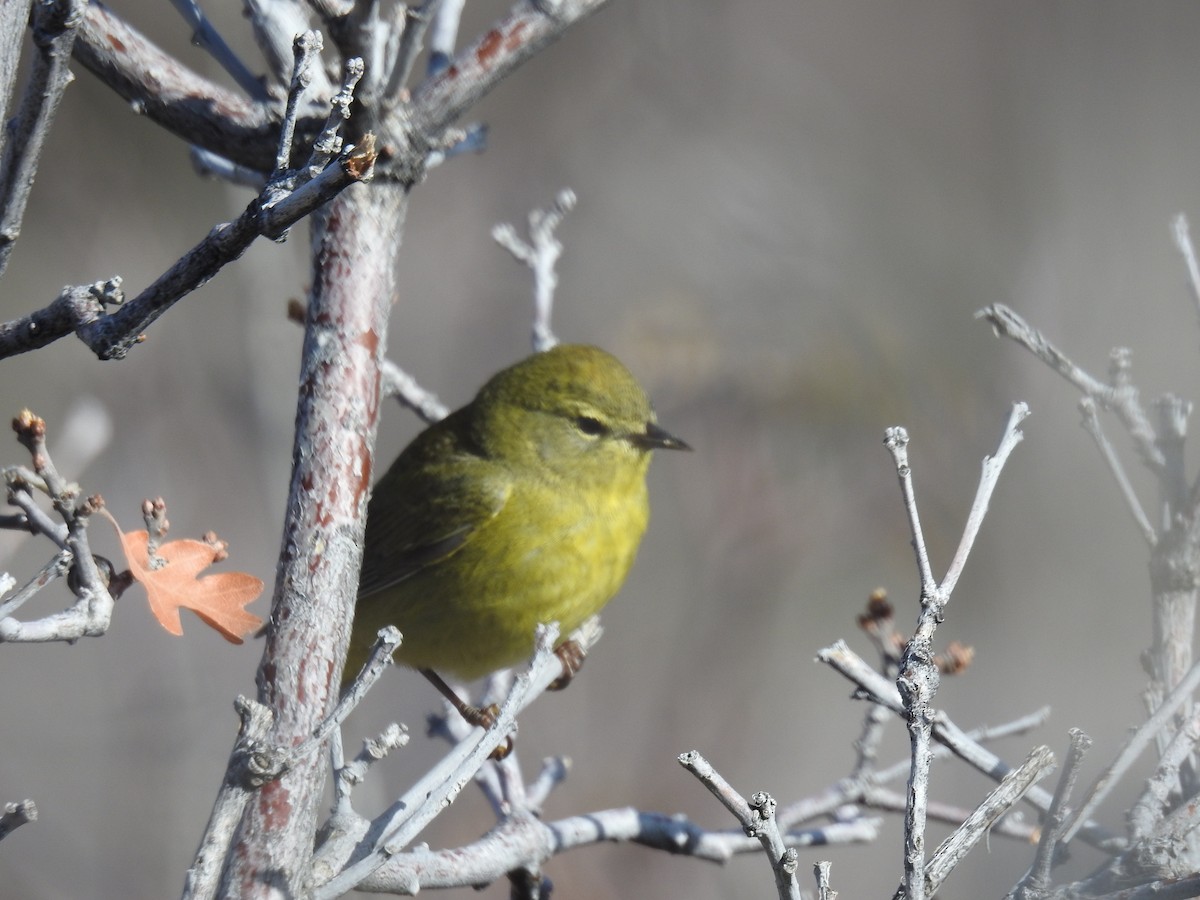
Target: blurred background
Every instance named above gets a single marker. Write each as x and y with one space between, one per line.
788 215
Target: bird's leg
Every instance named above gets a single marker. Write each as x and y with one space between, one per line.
484 718
571 655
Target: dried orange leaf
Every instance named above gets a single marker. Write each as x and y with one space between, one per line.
218 599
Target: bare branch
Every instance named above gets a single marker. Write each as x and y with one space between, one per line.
824 890
1181 232
15 815
757 818
1091 422
158 86
209 164
1037 880
249 764
14 21
879 689
111 336
307 51
1002 799
540 255
275 24
74 308
1147 812
416 21
1120 395
444 34
54 29
1161 719
205 35
989 476
409 815
526 840
399 384
89 578
439 101
918 674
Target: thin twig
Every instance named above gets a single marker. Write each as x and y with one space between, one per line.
112 336
1181 232
15 815
540 255
1002 799
757 818
878 689
821 872
306 50
399 384
416 22
55 25
1161 718
443 35
205 35
275 24
524 840
408 816
1146 813
1037 879
1120 395
992 466
1091 423
92 612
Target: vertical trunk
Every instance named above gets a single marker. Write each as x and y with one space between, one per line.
354 250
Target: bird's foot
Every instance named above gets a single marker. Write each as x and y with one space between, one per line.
482 717
571 655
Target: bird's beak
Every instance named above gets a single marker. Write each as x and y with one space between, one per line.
656 438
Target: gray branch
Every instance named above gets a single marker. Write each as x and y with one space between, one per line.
54 28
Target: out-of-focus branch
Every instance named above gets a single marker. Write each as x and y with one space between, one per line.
15 815
540 255
411 34
14 20
1119 395
1162 720
275 24
54 28
205 34
1173 533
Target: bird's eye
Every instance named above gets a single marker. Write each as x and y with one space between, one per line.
590 426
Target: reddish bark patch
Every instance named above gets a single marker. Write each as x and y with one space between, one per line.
514 38
489 47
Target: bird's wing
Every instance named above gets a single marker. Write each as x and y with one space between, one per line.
429 514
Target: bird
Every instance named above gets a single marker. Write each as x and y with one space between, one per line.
525 506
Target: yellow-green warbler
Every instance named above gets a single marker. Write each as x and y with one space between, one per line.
525 506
